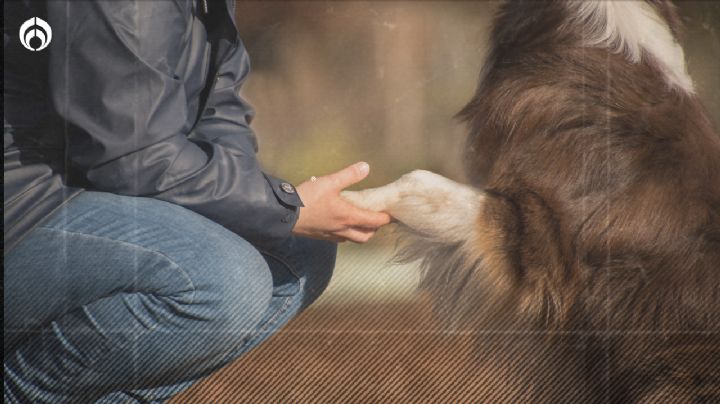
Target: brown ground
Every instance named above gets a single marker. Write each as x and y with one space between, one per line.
353 353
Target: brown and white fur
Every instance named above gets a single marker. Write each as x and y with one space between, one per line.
586 252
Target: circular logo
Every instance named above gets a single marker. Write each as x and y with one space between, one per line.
35 34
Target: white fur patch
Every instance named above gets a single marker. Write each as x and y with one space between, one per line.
632 27
429 204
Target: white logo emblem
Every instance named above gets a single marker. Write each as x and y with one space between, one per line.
35 34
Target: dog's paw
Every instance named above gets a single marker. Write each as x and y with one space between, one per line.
375 199
425 202
408 189
433 203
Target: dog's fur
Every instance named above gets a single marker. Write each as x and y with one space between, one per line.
586 254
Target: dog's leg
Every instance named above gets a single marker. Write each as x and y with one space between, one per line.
429 204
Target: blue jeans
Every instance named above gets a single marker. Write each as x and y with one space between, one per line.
122 299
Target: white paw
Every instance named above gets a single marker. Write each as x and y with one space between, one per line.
426 202
375 199
389 197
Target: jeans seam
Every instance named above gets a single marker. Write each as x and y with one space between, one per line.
274 318
267 325
287 302
42 221
282 261
133 246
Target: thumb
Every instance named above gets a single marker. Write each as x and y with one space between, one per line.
349 175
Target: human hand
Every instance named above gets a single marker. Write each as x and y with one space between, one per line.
328 216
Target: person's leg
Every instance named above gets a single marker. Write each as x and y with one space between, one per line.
116 293
301 270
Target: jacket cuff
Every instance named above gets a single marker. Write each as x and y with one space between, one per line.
288 197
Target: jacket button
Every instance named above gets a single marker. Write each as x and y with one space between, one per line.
287 188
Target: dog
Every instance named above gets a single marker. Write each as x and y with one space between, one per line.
585 252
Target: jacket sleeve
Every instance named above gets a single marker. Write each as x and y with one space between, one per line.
112 81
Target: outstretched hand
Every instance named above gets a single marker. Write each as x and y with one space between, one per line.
328 216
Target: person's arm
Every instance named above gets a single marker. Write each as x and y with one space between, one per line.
112 80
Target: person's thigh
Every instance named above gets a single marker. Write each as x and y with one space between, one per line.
301 269
128 290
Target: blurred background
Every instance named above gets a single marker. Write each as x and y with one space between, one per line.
338 82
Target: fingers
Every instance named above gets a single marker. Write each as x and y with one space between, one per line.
349 175
356 234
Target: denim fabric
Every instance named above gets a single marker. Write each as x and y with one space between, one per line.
122 299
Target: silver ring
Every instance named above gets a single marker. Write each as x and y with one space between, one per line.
313 178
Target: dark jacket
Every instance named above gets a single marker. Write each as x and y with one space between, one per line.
137 98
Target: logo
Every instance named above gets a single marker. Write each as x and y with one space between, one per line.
35 34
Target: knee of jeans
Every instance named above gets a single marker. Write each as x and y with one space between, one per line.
320 270
238 288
